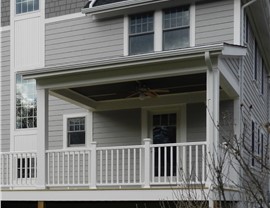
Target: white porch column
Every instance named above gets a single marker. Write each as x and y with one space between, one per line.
212 121
147 163
93 165
42 136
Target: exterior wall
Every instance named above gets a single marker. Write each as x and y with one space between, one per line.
255 104
233 65
117 128
196 122
83 40
214 22
54 8
57 108
5 13
5 91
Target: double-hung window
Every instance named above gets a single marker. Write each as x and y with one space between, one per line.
141 33
23 6
76 131
176 28
26 103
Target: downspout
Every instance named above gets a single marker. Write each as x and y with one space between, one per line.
208 61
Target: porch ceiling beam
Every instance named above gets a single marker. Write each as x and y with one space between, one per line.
193 97
75 98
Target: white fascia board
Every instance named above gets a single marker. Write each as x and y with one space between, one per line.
234 50
127 61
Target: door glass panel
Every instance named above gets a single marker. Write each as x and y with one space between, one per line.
164 131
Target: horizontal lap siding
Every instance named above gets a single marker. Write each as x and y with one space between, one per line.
233 65
5 91
5 13
214 22
58 108
83 40
117 128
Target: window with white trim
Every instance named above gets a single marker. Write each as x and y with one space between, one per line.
26 103
256 62
156 31
24 6
176 28
141 33
76 131
252 143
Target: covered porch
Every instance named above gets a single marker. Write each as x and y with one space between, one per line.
161 111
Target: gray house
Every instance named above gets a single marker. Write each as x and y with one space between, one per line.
130 102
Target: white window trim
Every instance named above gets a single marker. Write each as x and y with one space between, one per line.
88 129
146 122
158 30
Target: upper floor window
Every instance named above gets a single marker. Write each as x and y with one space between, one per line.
26 103
23 6
141 33
176 28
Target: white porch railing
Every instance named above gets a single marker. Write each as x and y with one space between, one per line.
137 165
18 169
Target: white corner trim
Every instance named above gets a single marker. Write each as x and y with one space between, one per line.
192 32
182 124
158 30
126 38
64 17
237 22
88 128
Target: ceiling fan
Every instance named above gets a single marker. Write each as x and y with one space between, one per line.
142 91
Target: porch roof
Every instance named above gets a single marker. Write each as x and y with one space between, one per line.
135 60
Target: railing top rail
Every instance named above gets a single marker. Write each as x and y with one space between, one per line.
179 144
121 147
68 150
19 152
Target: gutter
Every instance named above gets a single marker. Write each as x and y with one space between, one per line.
118 6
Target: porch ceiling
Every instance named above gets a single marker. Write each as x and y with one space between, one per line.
163 86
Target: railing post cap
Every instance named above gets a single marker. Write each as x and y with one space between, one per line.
93 143
147 140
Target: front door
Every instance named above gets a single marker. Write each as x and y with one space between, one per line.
164 127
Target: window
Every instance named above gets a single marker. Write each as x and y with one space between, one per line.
262 152
256 63
26 103
26 168
141 33
23 6
262 78
247 29
176 28
252 143
76 131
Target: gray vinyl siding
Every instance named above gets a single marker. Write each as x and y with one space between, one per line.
196 122
5 91
54 8
5 13
255 105
214 22
233 65
83 40
58 108
117 128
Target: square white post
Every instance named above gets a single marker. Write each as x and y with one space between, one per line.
93 166
212 122
147 163
42 136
